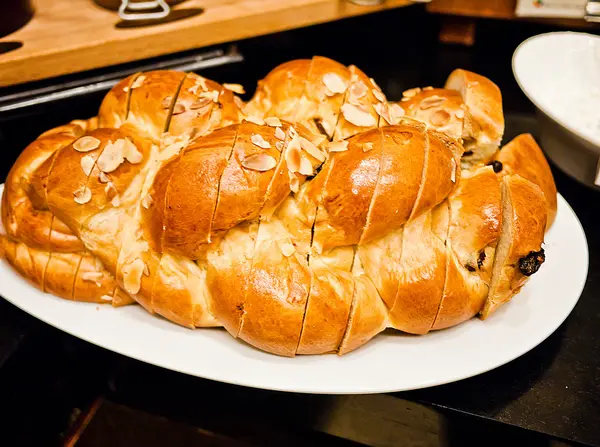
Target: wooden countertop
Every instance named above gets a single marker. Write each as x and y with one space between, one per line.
76 35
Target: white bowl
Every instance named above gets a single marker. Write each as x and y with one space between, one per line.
560 73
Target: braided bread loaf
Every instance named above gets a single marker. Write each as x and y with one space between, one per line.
304 222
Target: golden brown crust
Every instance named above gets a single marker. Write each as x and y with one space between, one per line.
524 157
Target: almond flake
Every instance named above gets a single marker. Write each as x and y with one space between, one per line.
404 99
255 120
305 166
200 82
294 182
178 108
200 104
86 144
440 118
378 95
279 145
358 90
311 149
453 172
357 116
367 147
338 146
87 164
213 95
397 110
132 276
334 83
279 134
103 178
427 88
106 298
126 89
98 264
110 190
383 111
131 153
112 156
273 121
287 249
92 276
235 88
147 201
258 140
411 92
374 83
292 132
238 102
138 82
259 162
82 195
146 270
293 155
432 101
460 114
166 103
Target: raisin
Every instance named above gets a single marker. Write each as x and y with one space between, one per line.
496 166
470 268
467 153
481 259
531 263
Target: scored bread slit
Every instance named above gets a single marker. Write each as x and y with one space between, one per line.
423 175
353 305
49 253
448 252
373 195
245 292
129 91
303 95
172 104
75 277
214 211
269 190
504 243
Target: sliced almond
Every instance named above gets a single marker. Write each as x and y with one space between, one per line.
411 92
92 276
259 162
131 153
213 95
138 82
147 201
103 178
338 146
258 140
201 103
374 83
397 110
305 166
98 264
287 249
279 145
199 83
292 132
366 147
166 103
112 156
294 181
255 120
358 90
87 164
273 121
116 201
178 108
279 134
235 88
238 102
404 99
460 114
440 118
82 195
311 149
106 298
86 144
334 83
383 111
432 101
453 171
126 89
132 276
379 95
110 190
427 88
293 155
357 116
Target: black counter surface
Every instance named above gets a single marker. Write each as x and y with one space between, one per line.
47 377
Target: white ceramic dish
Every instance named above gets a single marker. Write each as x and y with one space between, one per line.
390 362
560 73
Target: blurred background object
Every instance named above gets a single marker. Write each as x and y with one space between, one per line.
15 14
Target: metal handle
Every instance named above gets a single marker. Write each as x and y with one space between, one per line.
143 6
592 11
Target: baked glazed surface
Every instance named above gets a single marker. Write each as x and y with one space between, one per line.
304 222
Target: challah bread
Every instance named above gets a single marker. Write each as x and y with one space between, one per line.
304 222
